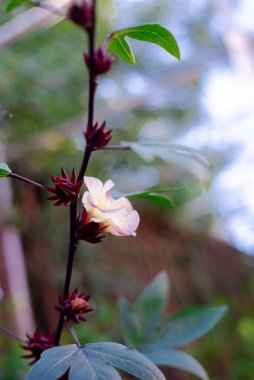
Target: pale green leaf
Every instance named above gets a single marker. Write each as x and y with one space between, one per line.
186 157
93 361
189 325
176 359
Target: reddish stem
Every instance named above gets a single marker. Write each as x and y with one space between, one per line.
85 161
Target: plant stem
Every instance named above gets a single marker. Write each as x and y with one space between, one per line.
85 161
11 334
92 76
73 333
24 179
116 147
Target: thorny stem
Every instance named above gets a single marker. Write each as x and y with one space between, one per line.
87 154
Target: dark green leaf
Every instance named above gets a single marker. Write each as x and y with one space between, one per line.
189 325
152 303
176 359
140 320
4 170
153 33
130 323
181 155
94 361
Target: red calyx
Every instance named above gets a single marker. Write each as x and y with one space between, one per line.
65 190
73 306
97 136
102 61
88 231
37 343
81 14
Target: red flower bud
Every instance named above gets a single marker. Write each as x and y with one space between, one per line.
89 231
37 344
72 306
81 14
102 61
65 191
96 136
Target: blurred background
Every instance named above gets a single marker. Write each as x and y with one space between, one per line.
206 244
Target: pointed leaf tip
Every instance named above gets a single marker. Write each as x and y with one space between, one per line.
176 359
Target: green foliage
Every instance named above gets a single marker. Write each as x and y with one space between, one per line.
143 327
176 359
154 195
143 317
189 324
13 4
95 361
4 170
186 157
153 33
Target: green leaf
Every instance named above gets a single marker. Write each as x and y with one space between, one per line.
129 321
13 4
140 320
181 155
154 196
189 325
93 361
121 48
152 303
4 170
153 33
176 359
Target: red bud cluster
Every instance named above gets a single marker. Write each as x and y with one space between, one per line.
65 191
96 136
73 306
102 61
37 343
89 231
81 14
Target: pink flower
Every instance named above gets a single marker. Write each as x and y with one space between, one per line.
114 215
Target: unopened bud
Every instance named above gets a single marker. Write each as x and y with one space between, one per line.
102 61
81 14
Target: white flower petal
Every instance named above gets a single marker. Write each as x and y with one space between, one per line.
108 185
124 225
95 187
116 215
